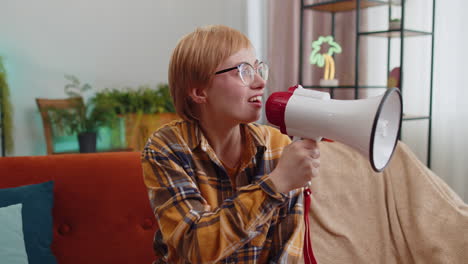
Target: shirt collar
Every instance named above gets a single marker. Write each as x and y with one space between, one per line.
196 137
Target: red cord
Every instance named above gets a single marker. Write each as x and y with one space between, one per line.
308 253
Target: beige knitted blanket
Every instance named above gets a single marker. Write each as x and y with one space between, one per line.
406 214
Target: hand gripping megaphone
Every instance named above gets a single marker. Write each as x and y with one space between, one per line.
369 125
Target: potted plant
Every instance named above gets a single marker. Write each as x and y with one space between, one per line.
143 110
6 113
82 118
395 24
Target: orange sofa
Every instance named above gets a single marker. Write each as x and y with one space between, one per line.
101 211
102 214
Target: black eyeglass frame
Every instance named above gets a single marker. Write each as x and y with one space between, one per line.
228 69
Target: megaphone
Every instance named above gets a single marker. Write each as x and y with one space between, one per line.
371 125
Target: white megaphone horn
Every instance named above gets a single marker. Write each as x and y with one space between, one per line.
369 125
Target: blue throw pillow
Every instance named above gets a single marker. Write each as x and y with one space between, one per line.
37 202
12 250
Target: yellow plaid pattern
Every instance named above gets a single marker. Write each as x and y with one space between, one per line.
202 218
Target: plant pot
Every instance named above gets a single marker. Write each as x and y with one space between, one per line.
87 142
139 127
394 25
333 82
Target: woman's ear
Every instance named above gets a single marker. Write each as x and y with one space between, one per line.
198 95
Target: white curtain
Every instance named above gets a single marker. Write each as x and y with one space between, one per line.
450 123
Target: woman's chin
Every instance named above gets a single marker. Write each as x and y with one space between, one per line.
253 119
249 118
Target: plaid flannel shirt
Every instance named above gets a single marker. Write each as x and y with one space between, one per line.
202 218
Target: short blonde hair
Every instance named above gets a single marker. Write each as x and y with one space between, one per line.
195 59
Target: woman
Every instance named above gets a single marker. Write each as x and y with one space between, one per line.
223 188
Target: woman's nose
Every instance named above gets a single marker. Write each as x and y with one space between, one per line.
258 82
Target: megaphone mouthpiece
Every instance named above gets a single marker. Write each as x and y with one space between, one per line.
276 107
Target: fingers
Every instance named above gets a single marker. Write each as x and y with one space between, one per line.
309 143
304 156
310 148
315 153
315 163
312 163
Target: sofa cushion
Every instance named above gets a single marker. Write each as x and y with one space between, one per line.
37 203
101 208
12 250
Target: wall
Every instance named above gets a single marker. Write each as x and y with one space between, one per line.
107 43
127 43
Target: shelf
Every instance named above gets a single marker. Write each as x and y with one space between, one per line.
384 32
344 86
415 117
395 33
344 5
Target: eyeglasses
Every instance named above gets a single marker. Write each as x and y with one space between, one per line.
247 72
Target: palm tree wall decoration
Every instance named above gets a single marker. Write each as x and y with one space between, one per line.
325 59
